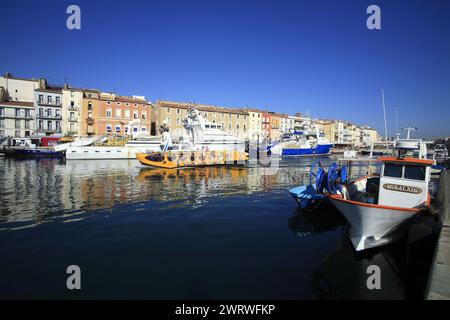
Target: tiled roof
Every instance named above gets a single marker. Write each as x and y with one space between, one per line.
201 107
17 103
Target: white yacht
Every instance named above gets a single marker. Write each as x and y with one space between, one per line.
199 135
202 135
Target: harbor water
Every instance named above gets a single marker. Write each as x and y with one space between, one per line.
200 233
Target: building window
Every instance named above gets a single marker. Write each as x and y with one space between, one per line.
49 112
2 133
108 102
58 126
58 100
126 129
49 99
168 110
49 125
118 113
2 123
118 103
108 128
41 98
27 124
144 115
72 116
2 111
229 126
89 106
229 115
117 127
127 113
127 104
17 113
108 113
178 121
17 133
135 114
41 124
178 111
144 129
237 126
57 113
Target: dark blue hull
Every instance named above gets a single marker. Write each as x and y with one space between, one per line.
31 153
320 149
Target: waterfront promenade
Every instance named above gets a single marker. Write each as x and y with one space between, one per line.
438 288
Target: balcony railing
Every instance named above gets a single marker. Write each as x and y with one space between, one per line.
4 116
46 116
72 108
49 103
50 130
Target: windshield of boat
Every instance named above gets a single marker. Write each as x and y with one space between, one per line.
415 172
393 170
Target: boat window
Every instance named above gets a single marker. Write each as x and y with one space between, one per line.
415 172
393 170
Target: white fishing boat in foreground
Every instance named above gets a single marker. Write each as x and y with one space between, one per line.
375 206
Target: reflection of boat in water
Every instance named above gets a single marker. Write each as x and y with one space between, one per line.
344 274
325 218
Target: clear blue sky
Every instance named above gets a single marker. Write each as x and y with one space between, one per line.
284 56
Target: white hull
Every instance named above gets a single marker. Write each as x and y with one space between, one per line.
98 153
127 152
370 223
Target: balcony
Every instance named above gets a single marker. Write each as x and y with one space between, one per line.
49 117
73 119
49 103
50 130
19 117
72 108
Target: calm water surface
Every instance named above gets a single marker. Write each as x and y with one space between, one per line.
163 234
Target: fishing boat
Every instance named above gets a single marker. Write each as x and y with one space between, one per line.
183 159
25 148
302 143
375 206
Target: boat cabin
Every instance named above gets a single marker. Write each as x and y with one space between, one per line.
404 182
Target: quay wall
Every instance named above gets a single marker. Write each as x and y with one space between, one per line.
439 278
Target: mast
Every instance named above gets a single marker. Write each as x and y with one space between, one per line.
384 114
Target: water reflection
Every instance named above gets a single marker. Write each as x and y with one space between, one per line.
35 191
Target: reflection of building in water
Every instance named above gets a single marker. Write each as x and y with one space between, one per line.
32 191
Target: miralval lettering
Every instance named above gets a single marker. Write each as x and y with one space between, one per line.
400 188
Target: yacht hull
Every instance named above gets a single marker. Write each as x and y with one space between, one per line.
319 150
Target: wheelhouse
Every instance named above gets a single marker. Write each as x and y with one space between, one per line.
404 182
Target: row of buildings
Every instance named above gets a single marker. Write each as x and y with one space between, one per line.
30 107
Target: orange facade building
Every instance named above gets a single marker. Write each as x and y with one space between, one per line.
107 113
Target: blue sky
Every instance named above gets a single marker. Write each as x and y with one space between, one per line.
284 56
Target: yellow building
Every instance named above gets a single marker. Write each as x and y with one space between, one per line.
234 121
254 125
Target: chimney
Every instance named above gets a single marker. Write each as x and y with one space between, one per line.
42 83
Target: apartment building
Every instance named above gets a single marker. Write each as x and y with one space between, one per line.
254 125
19 89
266 125
234 121
89 112
48 110
16 119
72 101
122 115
